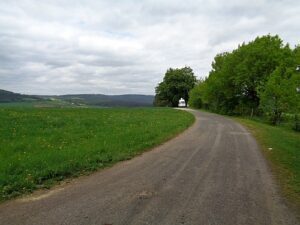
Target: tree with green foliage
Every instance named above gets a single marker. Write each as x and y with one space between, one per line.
296 81
280 94
176 84
196 95
277 98
233 83
257 60
259 77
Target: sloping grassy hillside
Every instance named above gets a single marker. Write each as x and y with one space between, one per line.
41 146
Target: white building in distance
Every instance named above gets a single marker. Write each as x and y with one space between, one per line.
181 103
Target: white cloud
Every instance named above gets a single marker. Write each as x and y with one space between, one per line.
117 47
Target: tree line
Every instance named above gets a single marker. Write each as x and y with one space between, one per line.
259 78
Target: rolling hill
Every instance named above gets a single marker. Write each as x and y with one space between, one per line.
129 100
8 96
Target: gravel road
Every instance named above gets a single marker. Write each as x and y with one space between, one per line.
212 174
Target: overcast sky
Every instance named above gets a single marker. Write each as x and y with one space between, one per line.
118 47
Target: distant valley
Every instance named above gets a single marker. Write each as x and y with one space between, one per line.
76 100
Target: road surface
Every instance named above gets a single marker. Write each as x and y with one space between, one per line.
212 174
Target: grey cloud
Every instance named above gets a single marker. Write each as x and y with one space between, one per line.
117 47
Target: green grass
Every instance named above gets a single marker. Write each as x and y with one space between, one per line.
39 147
284 156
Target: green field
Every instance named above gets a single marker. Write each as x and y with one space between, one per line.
284 154
39 147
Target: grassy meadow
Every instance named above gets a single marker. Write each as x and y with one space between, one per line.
39 147
281 146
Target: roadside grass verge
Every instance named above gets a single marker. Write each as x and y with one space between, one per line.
284 154
39 147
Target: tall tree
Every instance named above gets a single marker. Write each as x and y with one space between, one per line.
176 84
196 95
233 83
276 96
281 94
258 60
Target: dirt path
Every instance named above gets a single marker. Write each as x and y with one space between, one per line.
212 174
